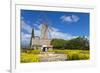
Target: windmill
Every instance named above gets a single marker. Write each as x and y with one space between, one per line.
45 28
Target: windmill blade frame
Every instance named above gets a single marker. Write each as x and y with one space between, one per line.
49 33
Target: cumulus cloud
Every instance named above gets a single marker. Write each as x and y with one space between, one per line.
37 26
25 39
87 37
56 33
37 32
26 27
71 18
75 18
25 36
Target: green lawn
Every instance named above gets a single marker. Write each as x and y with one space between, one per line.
28 56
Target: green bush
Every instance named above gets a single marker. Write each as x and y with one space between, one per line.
75 57
84 56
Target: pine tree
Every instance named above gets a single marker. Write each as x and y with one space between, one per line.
32 36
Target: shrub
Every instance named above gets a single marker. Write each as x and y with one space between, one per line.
75 57
84 56
78 55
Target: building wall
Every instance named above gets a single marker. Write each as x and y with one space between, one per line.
40 43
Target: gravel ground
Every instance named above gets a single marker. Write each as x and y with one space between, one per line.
49 56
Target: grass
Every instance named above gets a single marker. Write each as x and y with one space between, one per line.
29 56
74 54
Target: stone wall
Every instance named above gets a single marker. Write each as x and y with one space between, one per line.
40 42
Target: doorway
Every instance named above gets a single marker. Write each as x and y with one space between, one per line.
45 49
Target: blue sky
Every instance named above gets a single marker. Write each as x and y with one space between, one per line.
65 25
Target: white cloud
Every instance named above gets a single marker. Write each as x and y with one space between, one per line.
26 27
71 18
25 36
61 35
87 37
54 29
25 39
38 26
56 33
37 32
75 18
66 18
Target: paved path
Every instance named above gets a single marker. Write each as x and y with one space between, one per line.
50 56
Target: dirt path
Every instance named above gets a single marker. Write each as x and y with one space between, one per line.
49 56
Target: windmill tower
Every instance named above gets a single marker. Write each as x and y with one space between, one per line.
45 41
44 31
45 35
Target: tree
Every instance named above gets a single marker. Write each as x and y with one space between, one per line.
32 36
78 43
58 43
